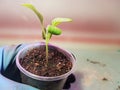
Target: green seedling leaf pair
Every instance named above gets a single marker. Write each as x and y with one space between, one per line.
51 29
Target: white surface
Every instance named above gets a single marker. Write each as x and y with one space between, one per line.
89 76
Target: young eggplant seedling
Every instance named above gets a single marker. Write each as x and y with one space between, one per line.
51 29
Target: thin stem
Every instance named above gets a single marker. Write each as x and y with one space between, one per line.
47 51
47 41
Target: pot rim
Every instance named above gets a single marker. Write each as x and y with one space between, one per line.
44 78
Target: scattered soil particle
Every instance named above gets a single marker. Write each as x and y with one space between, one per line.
104 79
35 62
118 88
96 62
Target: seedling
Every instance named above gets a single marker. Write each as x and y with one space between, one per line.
51 29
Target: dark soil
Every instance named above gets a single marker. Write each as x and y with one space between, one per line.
35 62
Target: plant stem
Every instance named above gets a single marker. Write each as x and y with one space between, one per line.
47 51
47 41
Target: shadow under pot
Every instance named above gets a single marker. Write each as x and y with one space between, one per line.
44 74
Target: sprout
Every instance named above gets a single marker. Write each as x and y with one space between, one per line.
50 29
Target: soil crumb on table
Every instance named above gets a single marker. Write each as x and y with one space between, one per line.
104 79
96 62
118 88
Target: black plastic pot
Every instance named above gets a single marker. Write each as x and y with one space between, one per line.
41 82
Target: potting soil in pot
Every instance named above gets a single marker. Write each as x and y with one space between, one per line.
35 62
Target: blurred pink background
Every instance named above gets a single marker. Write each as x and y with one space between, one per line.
94 21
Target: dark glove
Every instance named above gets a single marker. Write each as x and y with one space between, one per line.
10 75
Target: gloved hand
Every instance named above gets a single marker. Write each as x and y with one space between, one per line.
8 69
10 75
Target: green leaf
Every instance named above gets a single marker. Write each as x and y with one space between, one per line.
54 30
30 6
57 21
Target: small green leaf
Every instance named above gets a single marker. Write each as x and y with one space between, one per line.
35 11
57 21
54 30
